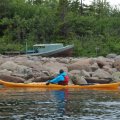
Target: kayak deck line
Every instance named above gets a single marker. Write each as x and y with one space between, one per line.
109 86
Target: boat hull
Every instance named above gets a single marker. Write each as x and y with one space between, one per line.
43 85
66 51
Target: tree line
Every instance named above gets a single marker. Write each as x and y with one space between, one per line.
93 29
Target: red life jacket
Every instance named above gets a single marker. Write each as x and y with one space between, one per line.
65 82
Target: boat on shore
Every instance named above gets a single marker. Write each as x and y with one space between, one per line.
110 86
47 50
51 50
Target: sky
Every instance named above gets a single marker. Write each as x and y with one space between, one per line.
112 2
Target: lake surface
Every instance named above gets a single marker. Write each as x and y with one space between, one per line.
43 104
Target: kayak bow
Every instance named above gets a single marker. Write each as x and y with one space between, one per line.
43 85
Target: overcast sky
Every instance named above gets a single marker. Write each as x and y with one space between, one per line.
112 2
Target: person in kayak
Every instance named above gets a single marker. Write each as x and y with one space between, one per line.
61 79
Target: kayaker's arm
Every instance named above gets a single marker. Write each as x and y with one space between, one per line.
57 79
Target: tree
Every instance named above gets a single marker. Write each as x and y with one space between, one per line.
5 8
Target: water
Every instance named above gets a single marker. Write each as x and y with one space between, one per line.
42 104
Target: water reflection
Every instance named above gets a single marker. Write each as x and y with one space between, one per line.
45 104
61 101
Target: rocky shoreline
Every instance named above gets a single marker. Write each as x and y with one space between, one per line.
83 70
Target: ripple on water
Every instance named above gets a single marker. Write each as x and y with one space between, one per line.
20 104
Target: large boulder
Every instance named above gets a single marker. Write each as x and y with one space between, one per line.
117 63
109 69
94 67
116 76
101 61
85 73
80 73
81 64
9 65
12 79
5 72
97 80
38 76
100 73
117 58
17 70
78 80
54 67
112 55
35 65
75 72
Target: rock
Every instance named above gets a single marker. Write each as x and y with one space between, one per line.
97 80
116 76
63 60
117 64
108 69
36 67
100 73
70 82
11 79
34 58
9 65
46 73
117 58
75 72
80 65
29 81
80 73
42 79
20 59
1 61
5 72
112 55
41 69
78 80
52 59
54 67
100 63
94 67
41 74
24 70
17 69
85 73
45 59
18 75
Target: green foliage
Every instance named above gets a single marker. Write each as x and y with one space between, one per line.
93 29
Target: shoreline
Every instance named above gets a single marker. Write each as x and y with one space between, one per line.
81 70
